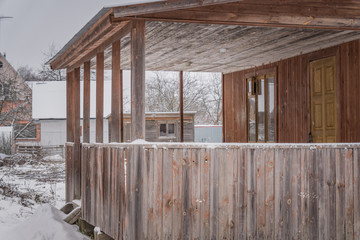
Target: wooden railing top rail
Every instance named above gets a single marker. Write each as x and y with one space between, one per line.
229 145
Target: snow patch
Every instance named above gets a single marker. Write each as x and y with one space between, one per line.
46 223
139 141
56 157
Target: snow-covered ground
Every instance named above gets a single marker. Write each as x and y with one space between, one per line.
27 183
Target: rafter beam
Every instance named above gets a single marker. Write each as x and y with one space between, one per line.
162 6
232 18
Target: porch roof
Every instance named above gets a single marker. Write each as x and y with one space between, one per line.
222 35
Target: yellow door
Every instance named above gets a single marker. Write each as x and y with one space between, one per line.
323 100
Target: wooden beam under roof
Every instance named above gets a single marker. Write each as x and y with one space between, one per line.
259 19
324 14
96 39
162 6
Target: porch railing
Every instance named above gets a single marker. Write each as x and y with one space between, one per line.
224 191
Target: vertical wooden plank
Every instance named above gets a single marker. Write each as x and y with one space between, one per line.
223 194
120 188
83 182
144 189
68 172
107 209
340 195
261 186
181 106
167 194
177 166
158 193
186 193
313 187
116 92
242 196
269 194
295 193
99 97
214 193
233 192
138 80
356 193
287 193
305 193
86 109
93 183
349 193
251 195
205 193
99 185
331 201
279 202
196 201
322 193
114 196
150 212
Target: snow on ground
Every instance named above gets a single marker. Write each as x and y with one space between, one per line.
27 183
46 223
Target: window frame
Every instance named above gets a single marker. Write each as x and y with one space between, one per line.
255 78
167 130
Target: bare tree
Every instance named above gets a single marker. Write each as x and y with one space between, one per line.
28 74
200 95
46 73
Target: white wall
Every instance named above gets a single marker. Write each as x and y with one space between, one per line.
53 131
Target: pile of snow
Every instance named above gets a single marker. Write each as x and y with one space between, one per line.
46 223
2 156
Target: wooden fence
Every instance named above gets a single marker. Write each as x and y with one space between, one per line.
169 191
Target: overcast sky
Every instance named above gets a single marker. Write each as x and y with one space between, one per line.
37 24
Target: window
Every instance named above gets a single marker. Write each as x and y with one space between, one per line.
25 131
261 108
1 64
167 130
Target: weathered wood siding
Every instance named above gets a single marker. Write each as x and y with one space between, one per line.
103 187
293 97
223 191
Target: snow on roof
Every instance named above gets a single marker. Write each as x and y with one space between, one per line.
49 99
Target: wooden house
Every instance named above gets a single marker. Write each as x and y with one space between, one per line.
161 127
290 77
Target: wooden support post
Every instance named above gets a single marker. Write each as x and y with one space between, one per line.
116 93
138 80
223 108
69 107
121 108
86 109
181 96
77 145
100 97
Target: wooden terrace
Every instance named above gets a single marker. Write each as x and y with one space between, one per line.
274 189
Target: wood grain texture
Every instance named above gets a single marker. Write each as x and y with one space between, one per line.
138 80
293 97
116 93
232 191
99 131
86 109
